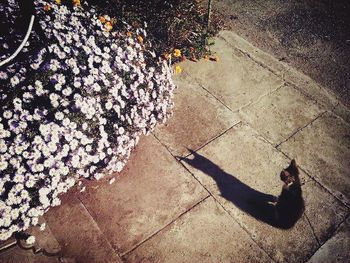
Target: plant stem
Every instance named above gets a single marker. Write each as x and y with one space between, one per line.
208 14
208 23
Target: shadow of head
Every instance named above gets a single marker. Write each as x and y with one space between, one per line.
255 203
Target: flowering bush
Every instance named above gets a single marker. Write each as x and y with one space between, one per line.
74 108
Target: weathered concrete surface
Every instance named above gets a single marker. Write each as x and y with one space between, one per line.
198 118
19 255
78 234
155 210
311 36
45 240
204 234
323 150
337 249
323 210
285 111
236 165
235 79
152 191
288 74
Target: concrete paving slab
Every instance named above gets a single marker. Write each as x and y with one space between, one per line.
78 234
19 255
241 170
151 192
310 36
304 83
280 114
198 117
336 250
323 150
45 240
204 234
323 210
231 79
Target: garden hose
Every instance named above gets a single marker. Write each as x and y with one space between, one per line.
29 30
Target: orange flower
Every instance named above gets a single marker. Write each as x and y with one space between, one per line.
177 52
76 2
102 19
58 2
206 57
140 39
47 7
129 34
178 70
108 26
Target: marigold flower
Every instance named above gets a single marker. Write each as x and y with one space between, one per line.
178 70
58 2
140 39
108 26
47 7
177 52
102 19
76 2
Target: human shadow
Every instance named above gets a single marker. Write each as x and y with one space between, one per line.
257 204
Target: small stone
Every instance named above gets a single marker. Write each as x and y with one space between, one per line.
30 240
42 227
112 181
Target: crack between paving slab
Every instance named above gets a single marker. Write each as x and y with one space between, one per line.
214 138
244 229
245 105
301 128
158 231
287 68
200 147
260 97
178 160
209 194
98 227
331 236
316 180
195 79
245 53
294 86
312 229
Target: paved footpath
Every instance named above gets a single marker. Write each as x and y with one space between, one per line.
237 123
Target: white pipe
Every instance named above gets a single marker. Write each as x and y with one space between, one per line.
21 45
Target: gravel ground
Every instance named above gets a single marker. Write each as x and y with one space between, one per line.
312 36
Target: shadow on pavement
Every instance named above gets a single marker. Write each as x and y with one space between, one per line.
257 204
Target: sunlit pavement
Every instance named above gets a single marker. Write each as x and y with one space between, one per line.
248 114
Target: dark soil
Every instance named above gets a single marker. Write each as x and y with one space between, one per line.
171 24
